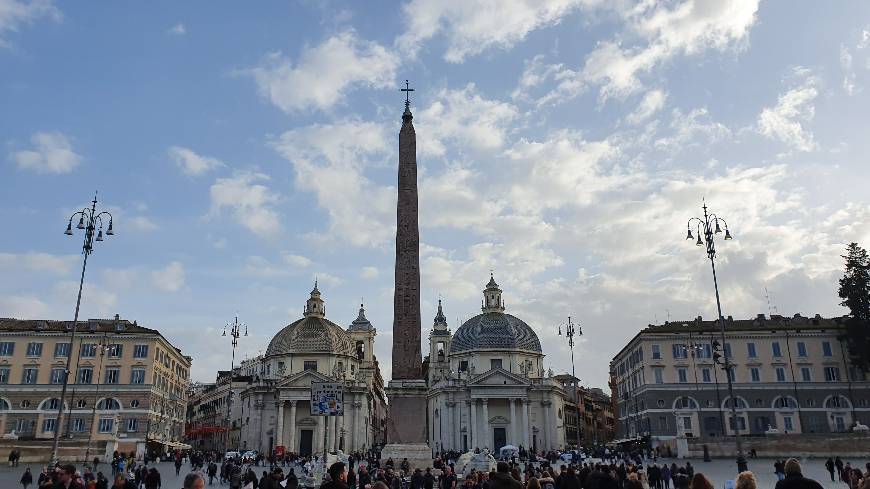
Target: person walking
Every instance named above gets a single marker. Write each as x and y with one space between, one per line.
666 476
779 469
152 480
793 478
829 465
26 478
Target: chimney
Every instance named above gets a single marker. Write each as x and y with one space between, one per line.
117 317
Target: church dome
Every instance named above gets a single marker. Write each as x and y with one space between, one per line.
495 331
311 334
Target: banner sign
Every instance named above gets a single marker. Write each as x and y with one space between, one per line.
327 399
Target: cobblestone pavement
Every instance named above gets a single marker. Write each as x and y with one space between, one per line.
718 471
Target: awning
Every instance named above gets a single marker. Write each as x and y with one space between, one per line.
178 445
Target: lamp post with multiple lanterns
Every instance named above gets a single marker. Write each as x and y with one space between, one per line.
570 331
91 222
235 333
706 228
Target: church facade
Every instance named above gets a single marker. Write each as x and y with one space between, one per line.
487 386
314 349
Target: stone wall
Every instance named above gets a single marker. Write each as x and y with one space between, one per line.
798 445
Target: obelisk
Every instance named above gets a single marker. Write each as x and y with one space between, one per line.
406 392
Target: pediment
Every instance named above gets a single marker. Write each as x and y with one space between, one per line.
303 379
499 376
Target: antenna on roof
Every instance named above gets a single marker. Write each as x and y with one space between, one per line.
770 308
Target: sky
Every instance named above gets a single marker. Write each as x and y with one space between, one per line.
246 148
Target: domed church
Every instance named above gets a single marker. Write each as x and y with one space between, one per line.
487 387
314 349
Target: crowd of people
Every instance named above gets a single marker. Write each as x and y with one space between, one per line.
617 470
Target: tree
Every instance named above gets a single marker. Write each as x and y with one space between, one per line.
855 292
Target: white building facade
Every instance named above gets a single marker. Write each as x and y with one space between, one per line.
487 387
314 349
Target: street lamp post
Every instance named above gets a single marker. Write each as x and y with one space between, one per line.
88 221
103 346
694 349
570 331
708 227
235 333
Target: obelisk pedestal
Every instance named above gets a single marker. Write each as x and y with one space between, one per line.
406 393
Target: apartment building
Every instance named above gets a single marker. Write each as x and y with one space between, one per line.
790 375
127 387
589 416
215 412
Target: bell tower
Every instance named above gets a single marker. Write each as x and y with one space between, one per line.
314 305
492 301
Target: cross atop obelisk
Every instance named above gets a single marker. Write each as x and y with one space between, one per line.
407 91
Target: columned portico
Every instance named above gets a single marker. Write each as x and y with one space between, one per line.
487 432
292 439
457 427
546 427
472 408
527 430
279 438
513 437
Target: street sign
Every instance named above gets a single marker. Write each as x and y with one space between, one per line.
327 399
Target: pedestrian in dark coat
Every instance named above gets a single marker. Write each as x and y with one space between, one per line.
502 478
794 479
26 478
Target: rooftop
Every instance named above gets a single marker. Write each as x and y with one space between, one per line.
116 326
759 323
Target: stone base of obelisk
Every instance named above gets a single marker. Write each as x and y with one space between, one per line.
406 424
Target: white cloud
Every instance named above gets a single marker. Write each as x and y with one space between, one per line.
652 102
846 64
191 163
564 169
463 116
289 265
325 72
327 279
688 130
96 301
249 202
472 26
23 307
297 261
38 262
663 30
178 29
15 14
369 273
141 224
51 153
535 73
330 160
170 278
794 109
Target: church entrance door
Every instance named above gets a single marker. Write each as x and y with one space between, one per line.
306 442
499 438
